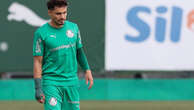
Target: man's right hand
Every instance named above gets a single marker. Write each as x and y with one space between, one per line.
38 91
39 95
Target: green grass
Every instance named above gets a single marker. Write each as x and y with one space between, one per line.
105 105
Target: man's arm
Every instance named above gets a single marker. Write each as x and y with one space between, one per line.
82 60
38 66
37 78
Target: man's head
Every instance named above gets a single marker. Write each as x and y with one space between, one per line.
57 10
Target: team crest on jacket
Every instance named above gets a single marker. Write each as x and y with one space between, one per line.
69 33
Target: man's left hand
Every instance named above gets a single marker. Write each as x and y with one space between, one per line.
88 77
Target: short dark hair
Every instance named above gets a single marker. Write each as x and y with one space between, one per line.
51 4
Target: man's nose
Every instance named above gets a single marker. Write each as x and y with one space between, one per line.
62 16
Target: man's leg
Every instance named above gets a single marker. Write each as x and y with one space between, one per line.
53 98
71 99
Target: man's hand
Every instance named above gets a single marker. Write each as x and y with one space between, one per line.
38 91
39 96
88 76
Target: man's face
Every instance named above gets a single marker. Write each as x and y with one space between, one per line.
58 15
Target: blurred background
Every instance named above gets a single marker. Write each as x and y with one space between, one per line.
140 51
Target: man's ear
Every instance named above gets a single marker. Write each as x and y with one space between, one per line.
49 12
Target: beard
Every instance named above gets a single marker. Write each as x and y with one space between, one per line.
59 22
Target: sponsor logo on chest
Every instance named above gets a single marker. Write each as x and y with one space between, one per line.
53 36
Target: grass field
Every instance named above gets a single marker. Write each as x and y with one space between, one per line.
105 105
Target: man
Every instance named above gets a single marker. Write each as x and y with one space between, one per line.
57 48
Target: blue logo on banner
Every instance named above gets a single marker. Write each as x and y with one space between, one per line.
160 24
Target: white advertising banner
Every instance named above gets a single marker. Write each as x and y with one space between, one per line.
149 35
